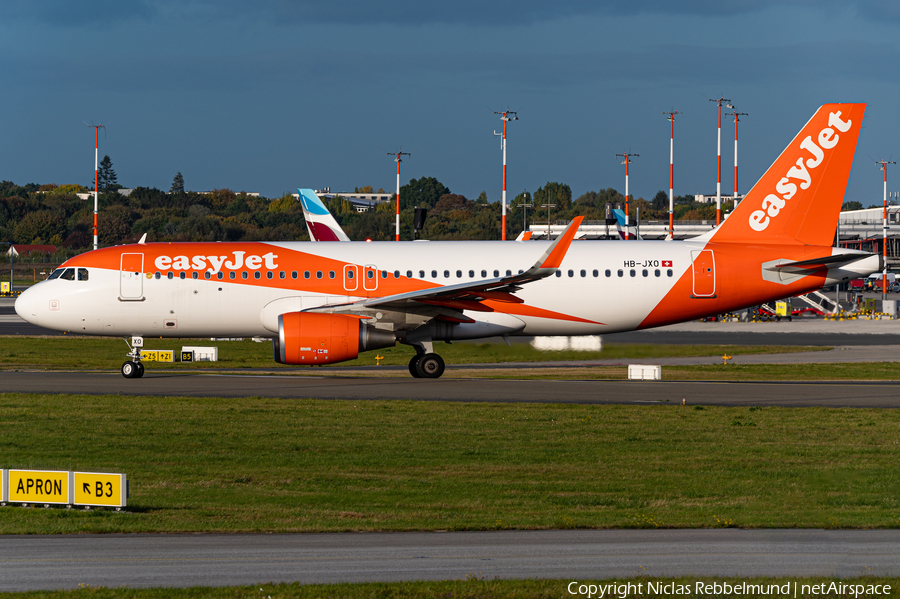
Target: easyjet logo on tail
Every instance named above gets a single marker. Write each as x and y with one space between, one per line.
800 173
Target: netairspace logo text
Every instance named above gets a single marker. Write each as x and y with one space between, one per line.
623 590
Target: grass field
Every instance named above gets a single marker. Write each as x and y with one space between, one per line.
261 464
472 588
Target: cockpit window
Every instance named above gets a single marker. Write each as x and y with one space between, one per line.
55 274
68 274
82 274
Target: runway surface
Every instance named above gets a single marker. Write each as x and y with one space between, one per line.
787 394
60 562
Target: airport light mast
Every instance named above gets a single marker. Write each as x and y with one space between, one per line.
672 172
736 116
505 118
96 171
884 229
626 162
398 160
719 161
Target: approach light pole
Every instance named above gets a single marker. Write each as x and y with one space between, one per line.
672 172
398 160
96 171
626 162
884 229
525 206
736 116
719 101
548 207
507 115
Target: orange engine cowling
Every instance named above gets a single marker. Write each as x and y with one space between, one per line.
311 338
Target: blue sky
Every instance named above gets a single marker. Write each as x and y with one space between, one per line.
275 94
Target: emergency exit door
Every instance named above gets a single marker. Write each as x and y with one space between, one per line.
131 277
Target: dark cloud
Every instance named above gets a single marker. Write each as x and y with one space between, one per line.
78 14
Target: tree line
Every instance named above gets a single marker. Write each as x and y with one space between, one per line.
53 214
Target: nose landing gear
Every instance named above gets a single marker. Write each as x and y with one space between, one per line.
133 369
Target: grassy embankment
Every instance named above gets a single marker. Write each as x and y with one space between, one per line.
474 587
263 464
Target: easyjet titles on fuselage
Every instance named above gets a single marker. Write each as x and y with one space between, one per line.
772 204
215 263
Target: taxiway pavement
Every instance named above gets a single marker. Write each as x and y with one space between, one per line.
66 561
868 394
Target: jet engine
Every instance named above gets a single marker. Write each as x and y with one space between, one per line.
311 338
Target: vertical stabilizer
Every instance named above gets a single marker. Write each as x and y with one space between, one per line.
798 200
321 225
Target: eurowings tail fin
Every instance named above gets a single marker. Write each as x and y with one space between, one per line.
798 200
319 221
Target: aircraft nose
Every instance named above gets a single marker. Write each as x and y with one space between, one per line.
26 305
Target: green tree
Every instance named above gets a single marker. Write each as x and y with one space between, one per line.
177 184
424 193
852 206
108 180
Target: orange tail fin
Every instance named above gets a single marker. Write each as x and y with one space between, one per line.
798 200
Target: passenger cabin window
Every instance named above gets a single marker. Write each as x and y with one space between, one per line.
318 274
293 274
433 274
558 273
571 273
446 274
169 275
656 272
182 275
195 275
458 274
496 273
384 274
483 274
408 274
219 275
246 275
471 274
621 273
256 275
608 273
269 274
669 273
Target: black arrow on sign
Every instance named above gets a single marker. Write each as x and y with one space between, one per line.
86 487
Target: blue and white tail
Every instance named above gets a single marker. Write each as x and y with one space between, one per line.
321 225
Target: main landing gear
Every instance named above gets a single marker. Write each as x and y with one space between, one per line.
426 366
133 369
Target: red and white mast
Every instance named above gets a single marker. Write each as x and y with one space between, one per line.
397 159
736 116
626 162
672 172
719 163
505 118
96 175
884 228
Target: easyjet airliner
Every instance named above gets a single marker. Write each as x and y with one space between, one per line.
325 302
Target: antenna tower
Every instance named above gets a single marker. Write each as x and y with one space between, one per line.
96 172
627 156
671 118
507 115
719 101
884 229
398 160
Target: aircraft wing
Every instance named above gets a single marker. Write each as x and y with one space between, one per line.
468 296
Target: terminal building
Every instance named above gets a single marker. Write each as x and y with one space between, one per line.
857 229
362 202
